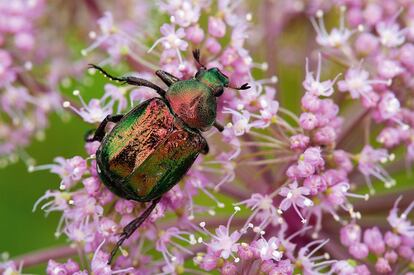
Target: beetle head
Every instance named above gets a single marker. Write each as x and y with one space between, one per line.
213 77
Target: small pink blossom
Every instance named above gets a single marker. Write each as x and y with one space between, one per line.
374 240
313 85
216 27
308 121
358 84
400 223
369 165
390 34
338 37
295 196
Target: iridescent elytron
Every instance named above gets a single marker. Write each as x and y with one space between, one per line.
152 147
149 150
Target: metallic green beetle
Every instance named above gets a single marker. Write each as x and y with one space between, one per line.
152 147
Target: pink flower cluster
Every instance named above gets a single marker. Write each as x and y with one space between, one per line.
24 101
393 247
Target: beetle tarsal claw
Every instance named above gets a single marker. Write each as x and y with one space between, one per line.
245 86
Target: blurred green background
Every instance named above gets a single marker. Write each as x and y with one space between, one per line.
22 230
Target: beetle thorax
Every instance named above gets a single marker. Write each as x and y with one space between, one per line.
193 102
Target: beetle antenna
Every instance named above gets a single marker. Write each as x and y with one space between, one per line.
102 71
196 55
245 86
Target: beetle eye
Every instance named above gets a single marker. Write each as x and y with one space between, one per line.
219 92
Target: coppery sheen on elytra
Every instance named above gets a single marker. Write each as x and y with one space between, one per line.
147 152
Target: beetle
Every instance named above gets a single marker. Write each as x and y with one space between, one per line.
151 147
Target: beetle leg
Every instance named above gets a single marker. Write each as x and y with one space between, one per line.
132 80
88 134
218 126
100 132
206 149
132 226
166 77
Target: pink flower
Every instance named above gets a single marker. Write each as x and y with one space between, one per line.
359 250
208 262
325 136
245 251
308 261
225 242
7 74
14 100
183 12
55 268
316 184
337 193
70 170
295 196
267 249
389 106
382 266
368 165
389 68
389 137
362 270
390 34
241 122
212 45
367 44
374 240
195 34
263 210
314 85
172 40
357 82
216 27
229 269
336 38
342 160
299 142
392 240
99 263
308 121
310 102
350 234
93 112
401 224
343 268
300 170
269 107
313 156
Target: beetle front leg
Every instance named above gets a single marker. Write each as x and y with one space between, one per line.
205 150
166 77
100 132
132 226
218 126
132 80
